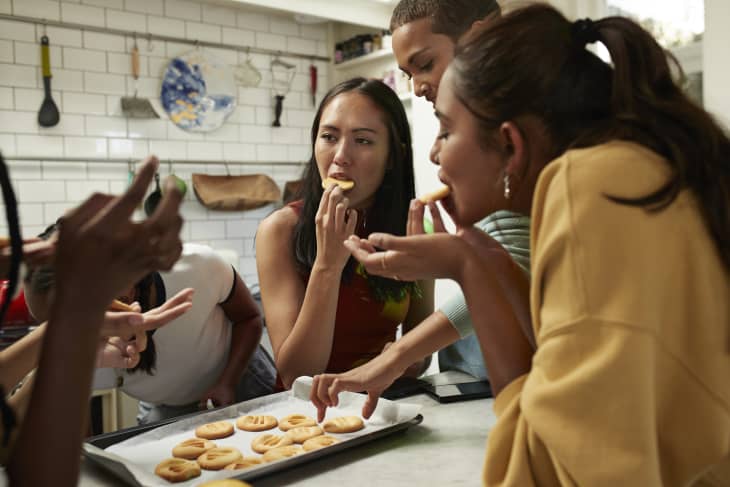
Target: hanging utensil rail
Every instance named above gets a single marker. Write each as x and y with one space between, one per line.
163 161
159 37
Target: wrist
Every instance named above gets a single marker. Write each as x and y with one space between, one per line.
399 357
225 380
326 269
468 265
77 298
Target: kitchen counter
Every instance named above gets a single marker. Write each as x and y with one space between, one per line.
447 448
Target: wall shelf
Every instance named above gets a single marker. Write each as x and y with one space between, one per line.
367 58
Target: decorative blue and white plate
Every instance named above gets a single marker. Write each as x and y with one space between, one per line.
198 91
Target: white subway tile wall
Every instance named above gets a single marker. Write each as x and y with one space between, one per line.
91 73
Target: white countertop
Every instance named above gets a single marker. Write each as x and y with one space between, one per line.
447 448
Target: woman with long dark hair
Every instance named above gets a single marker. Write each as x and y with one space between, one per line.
323 311
628 185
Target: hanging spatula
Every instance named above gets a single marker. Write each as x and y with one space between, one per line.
48 115
132 106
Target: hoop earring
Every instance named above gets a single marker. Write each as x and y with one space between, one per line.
507 190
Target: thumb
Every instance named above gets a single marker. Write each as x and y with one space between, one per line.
370 404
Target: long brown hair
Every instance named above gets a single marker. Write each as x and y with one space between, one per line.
534 61
389 212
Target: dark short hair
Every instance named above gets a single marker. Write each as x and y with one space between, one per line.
449 17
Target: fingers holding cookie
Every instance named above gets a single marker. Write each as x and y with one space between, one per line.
177 470
264 443
214 431
295 421
343 424
218 458
319 442
256 422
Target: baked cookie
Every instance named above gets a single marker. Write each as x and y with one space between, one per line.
192 448
225 483
264 443
177 470
319 442
345 184
214 431
217 458
256 422
295 421
437 195
343 424
282 452
243 463
303 433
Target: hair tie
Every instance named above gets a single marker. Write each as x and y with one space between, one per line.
584 31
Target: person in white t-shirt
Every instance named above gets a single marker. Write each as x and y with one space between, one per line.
210 353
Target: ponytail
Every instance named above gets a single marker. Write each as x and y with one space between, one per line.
650 108
533 61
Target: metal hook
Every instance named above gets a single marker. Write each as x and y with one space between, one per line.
150 47
228 170
197 44
169 166
44 27
278 62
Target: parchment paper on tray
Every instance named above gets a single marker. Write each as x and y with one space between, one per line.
135 459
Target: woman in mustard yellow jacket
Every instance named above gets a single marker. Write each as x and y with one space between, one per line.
627 182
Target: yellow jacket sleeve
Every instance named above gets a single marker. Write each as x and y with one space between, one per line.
629 384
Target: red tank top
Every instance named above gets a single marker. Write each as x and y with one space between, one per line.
363 325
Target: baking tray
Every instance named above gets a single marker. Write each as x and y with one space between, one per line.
133 459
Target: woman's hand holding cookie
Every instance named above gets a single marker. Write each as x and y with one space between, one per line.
334 221
416 213
130 322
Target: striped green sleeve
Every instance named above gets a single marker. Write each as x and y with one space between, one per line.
512 231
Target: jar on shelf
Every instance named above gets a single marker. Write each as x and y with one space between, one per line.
367 44
377 42
339 54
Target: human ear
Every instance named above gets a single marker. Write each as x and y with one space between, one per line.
514 147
